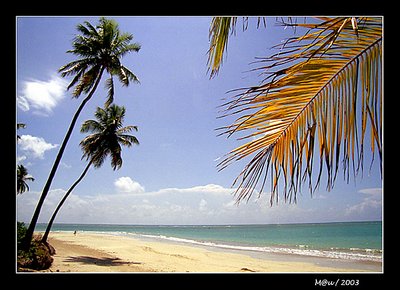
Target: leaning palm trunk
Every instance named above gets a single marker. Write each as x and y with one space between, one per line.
99 48
46 234
35 217
106 140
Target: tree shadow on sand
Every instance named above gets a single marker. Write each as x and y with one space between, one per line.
103 261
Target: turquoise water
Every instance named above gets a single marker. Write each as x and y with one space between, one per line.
349 240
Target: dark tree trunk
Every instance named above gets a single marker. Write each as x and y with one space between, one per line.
46 234
29 233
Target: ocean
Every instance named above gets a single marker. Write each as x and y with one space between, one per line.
342 240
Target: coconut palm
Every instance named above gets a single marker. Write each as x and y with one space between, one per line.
22 178
322 91
20 126
99 49
107 139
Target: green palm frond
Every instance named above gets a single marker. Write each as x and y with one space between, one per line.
220 30
110 91
108 136
127 140
99 48
20 126
127 129
219 34
322 89
126 76
22 178
87 80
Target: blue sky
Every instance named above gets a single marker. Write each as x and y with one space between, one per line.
171 177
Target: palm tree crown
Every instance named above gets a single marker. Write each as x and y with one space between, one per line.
108 136
100 48
106 140
19 126
22 178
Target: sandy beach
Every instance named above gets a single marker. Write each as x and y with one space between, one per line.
101 253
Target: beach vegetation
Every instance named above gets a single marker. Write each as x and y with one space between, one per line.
320 101
22 173
99 49
38 257
106 140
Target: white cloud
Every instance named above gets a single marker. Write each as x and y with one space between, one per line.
208 189
126 184
27 202
370 205
203 205
34 147
23 103
21 158
42 96
192 205
376 191
65 165
211 188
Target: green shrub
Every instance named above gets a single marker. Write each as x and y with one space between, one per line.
38 257
21 232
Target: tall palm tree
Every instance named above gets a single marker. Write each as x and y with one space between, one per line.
99 49
323 87
22 178
107 139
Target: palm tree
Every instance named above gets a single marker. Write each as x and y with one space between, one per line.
107 139
323 87
22 178
20 126
99 49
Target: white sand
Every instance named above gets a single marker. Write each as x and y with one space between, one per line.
94 252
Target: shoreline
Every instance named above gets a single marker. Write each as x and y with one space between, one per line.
257 251
104 252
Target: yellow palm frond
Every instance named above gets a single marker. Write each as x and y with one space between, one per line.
322 89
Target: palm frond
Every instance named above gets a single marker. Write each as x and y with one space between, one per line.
21 125
99 47
86 80
108 136
219 34
322 88
88 31
123 46
127 129
116 159
126 76
22 177
91 125
128 140
77 68
110 91
220 30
